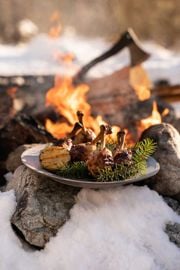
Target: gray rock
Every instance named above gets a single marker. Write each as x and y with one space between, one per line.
176 124
173 231
167 181
43 205
14 158
174 204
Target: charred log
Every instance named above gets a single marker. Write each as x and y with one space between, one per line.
23 129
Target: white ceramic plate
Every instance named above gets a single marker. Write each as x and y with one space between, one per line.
30 158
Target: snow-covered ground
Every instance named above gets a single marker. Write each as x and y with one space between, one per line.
108 230
40 57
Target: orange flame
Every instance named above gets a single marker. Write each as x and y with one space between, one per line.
153 119
56 26
66 58
140 82
165 112
67 99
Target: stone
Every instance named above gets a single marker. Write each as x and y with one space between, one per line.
173 231
43 205
174 204
167 181
14 158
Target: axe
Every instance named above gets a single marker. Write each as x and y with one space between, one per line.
127 39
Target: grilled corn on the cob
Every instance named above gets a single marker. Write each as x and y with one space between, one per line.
54 157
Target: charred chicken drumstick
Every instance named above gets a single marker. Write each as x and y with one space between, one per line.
85 134
122 154
101 157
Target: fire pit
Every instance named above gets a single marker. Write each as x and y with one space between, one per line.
125 99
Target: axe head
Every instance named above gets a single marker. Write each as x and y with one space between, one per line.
137 54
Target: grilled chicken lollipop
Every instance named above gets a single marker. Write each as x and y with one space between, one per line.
76 129
71 136
85 134
81 151
101 157
122 154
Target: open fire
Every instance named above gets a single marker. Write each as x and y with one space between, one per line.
67 99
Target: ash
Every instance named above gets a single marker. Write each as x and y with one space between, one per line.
115 229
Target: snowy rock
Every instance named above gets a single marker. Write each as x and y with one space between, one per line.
43 205
167 181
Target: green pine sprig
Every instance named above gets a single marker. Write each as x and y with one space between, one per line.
143 150
122 171
77 170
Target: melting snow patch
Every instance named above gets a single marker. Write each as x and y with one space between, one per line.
108 230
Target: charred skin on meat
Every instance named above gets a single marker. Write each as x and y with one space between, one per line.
102 157
122 154
84 135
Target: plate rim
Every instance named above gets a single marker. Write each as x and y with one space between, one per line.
77 182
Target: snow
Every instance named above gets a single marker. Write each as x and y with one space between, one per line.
39 57
108 230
